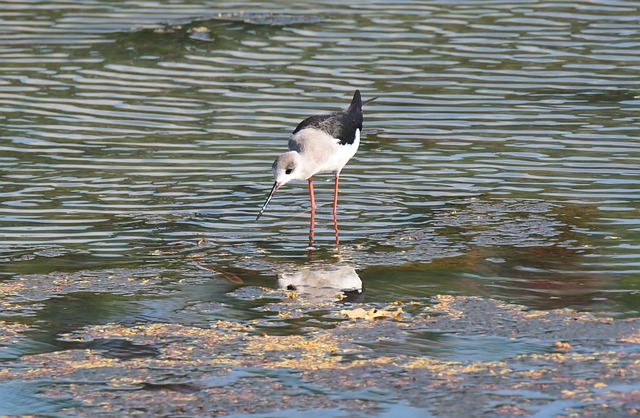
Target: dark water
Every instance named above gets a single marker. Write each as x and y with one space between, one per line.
501 159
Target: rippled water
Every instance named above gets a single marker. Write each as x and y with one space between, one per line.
501 159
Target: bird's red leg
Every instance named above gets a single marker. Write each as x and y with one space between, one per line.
335 210
313 211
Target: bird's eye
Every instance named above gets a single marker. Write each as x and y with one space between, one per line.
288 171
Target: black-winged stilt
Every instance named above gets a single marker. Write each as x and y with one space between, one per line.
320 144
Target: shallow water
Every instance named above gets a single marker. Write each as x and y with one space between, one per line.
501 159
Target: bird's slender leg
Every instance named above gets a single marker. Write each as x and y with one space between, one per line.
335 210
313 212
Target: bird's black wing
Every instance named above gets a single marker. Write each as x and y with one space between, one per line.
341 125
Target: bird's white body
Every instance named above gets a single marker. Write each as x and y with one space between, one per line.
319 152
340 156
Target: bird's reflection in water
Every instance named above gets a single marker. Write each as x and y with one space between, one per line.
325 281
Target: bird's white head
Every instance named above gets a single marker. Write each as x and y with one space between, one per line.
287 167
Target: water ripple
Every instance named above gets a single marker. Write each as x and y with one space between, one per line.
128 123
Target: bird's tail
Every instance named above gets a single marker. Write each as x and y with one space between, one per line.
370 100
357 103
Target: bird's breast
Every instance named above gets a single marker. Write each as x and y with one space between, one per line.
321 152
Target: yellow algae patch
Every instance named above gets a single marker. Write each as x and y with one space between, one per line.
239 367
373 313
633 338
39 287
300 352
323 343
449 368
566 327
151 333
445 304
14 287
11 333
225 343
73 359
562 345
9 330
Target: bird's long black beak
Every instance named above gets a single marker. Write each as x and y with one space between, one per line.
275 188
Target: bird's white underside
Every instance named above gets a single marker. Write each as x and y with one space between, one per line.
322 153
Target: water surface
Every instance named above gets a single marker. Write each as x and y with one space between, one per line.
501 159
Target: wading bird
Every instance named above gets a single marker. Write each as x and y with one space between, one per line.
320 144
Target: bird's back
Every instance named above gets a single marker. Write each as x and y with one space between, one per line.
341 125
